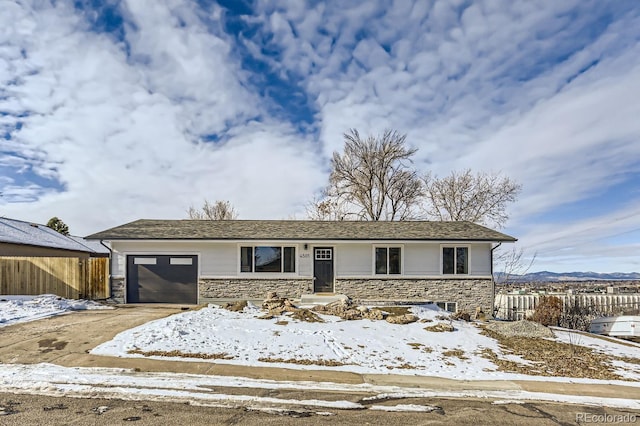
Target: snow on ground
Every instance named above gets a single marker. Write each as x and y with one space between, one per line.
361 346
49 379
14 309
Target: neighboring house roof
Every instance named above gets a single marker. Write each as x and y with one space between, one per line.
33 234
93 245
145 229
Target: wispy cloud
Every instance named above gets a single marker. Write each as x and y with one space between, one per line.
122 110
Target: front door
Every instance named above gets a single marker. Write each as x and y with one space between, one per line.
323 270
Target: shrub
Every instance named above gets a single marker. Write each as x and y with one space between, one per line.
578 316
548 311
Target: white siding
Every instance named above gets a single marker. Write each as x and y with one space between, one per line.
221 259
354 259
421 259
215 259
480 259
305 261
418 259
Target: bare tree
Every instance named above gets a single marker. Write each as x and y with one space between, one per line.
513 263
481 198
325 208
219 210
371 180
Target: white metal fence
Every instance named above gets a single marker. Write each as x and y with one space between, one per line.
518 306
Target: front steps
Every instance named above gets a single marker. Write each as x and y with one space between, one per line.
321 298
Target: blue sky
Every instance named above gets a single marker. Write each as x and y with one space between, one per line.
116 110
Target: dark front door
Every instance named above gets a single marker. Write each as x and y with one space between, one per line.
322 270
162 279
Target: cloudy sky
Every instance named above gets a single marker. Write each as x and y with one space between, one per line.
112 110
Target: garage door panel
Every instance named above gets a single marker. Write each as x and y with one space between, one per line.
162 279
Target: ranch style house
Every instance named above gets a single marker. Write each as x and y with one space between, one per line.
201 261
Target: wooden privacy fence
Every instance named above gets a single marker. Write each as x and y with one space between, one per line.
68 277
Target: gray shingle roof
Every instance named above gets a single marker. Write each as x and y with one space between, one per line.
33 234
145 229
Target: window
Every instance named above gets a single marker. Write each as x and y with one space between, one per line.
289 260
388 260
448 306
323 253
267 259
455 260
246 259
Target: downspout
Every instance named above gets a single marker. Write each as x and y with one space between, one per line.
111 267
493 283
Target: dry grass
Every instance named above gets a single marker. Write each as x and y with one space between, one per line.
415 345
458 353
404 366
282 322
627 359
394 310
321 362
180 354
551 358
506 365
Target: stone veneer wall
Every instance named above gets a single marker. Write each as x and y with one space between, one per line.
468 293
117 290
243 288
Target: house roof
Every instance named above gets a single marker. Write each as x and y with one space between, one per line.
145 229
33 234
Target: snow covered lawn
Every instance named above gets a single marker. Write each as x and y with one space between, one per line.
15 309
362 346
218 335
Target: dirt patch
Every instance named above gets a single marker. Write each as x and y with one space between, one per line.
48 345
181 354
550 358
321 362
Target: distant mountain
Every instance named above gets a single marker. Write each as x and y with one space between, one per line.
547 276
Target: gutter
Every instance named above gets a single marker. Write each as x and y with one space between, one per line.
111 267
493 282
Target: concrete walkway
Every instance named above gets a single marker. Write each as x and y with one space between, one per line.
65 340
